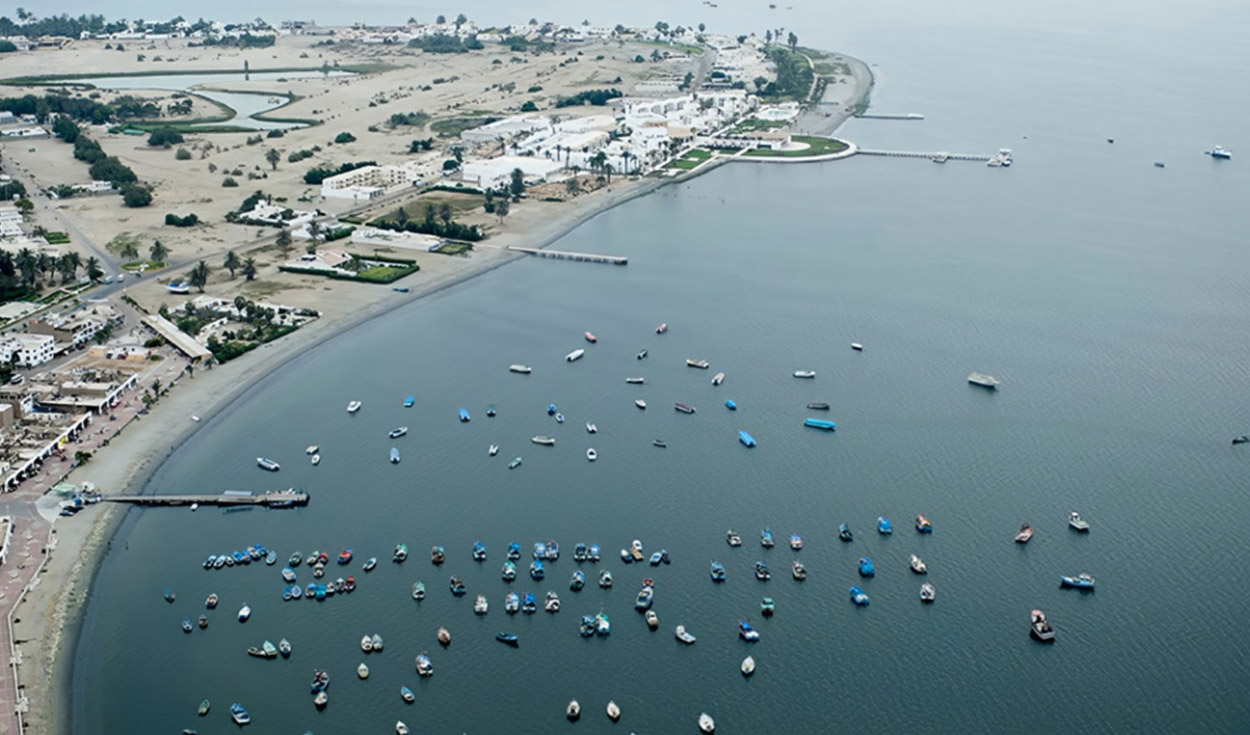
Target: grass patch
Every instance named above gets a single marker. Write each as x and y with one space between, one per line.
692 159
56 238
684 48
451 127
415 209
120 241
756 123
683 164
145 265
816 147
455 248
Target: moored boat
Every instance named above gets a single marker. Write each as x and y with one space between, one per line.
643 601
605 579
437 555
747 633
798 570
418 591
858 597
203 708
345 556
706 723
186 625
684 408
400 554
203 622
366 643
457 586
573 711
818 406
516 462
917 565
578 581
590 337
746 439
1026 533
640 403
731 404
761 572
684 635
718 572
662 328
923 525
883 526
284 647
536 570
211 601
865 567
353 407
512 603
1077 522
514 551
377 643
927 593
766 538
983 380
490 411
636 381
748 666
406 694
614 712
321 699
1040 628
266 463
701 364
642 355
509 571
732 538
545 441
821 424
767 607
575 355
398 432
464 415
400 728
409 401
857 347
479 551
591 428
591 454
603 626
245 612
522 369
718 379
443 636
559 418
805 373
424 666
1080 582
528 605
239 714
653 620
796 541
507 638
552 603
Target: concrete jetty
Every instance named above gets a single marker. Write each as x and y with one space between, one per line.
891 116
566 255
942 155
272 499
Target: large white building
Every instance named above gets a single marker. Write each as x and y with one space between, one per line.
371 182
491 173
504 129
30 349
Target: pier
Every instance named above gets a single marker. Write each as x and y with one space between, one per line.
943 156
891 116
271 499
565 255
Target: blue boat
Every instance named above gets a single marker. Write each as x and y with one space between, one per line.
594 553
747 633
528 606
730 404
479 551
508 638
540 550
746 439
1080 582
399 289
578 581
844 532
865 567
237 556
464 415
394 455
883 526
553 551
766 538
239 715
820 424
551 409
643 601
212 559
588 626
320 592
456 586
512 603
311 590
858 597
296 592
718 572
514 551
536 570
409 401
286 593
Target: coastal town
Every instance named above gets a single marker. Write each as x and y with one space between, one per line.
150 236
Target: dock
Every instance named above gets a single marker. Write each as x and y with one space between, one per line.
272 499
891 116
982 157
566 255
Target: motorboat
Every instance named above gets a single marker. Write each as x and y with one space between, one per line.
401 728
509 639
545 441
767 607
1077 522
551 409
614 712
579 552
732 538
701 364
917 565
796 541
640 403
345 556
509 571
927 593
418 591
552 603
438 555
684 635
186 625
642 355
731 404
406 694
865 567
883 526
559 418
656 558
443 636
400 554
858 597
818 406
718 378
573 711
512 603
590 337
1026 533
516 462
805 374
643 601
315 460
746 439
479 551
284 647
288 575
480 605
540 550
857 347
312 449
747 633
923 525
1080 582
635 381
552 552
983 380
514 551
239 714
210 602
591 454
353 407
456 586
718 572
578 581
593 553
706 723
203 708
821 424
653 620
587 626
1241 439
748 668
798 570
1040 628
366 643
464 415
268 464
522 369
766 538
245 612
605 579
490 411
575 355
591 428
1220 153
662 328
536 570
635 550
528 605
409 402
494 449
603 626
370 564
321 699
203 622
684 408
398 432
424 666
761 572
659 443
295 559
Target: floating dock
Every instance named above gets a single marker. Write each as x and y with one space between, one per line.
271 499
931 156
565 255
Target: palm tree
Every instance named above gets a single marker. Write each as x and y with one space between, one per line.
94 272
284 241
240 303
199 275
314 231
27 263
231 263
249 268
607 169
159 252
625 156
129 250
598 161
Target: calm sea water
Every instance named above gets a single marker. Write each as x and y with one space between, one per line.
1107 295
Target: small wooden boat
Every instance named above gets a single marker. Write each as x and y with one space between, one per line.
614 712
321 699
927 592
401 728
1026 533
573 711
203 708
706 724
509 639
362 671
748 666
406 694
444 637
684 635
203 622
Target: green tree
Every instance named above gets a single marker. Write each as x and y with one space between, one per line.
129 250
284 242
501 209
81 457
273 156
164 137
461 20
65 128
445 213
159 252
94 272
440 20
529 106
231 263
571 187
249 268
136 195
401 216
792 40
518 183
314 232
198 276
25 205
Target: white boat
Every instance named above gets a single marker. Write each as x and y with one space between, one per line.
575 355
857 347
591 428
494 449
804 373
353 407
591 454
546 441
401 728
640 403
398 432
315 459
366 644
522 369
614 712
266 463
312 449
245 612
706 723
983 380
635 381
748 666
718 379
684 635
362 671
480 605
927 592
1221 152
1077 522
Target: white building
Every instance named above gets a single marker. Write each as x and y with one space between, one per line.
491 173
504 129
371 182
30 349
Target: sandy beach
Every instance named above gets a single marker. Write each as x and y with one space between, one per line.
46 624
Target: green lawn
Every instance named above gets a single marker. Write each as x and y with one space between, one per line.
454 248
384 274
755 123
817 147
136 265
56 238
452 127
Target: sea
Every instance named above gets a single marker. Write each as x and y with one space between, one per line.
1108 295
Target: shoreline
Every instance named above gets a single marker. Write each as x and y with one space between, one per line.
58 612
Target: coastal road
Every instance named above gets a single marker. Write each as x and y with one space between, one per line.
44 211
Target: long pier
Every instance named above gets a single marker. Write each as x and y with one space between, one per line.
891 116
566 255
920 154
272 499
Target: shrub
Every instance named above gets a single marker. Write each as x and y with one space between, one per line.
165 136
275 133
111 169
597 97
136 195
183 154
153 343
529 106
229 182
298 156
175 221
345 137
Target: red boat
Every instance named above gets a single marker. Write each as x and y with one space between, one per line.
684 408
662 328
1026 533
345 556
591 338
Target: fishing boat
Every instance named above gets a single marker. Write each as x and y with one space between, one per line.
747 633
210 602
362 671
573 711
614 712
424 666
514 551
271 558
761 572
653 620
591 428
748 667
480 605
1220 153
684 635
701 364
587 627
353 407
659 443
818 406
605 579
1026 533
579 552
266 463
516 462
245 612
400 554
479 551
409 401
203 708
377 643
640 403
923 525
578 581
394 455
552 603
883 526
642 355
540 550
401 728
643 601
1080 582
490 411
927 593
821 424
766 538
320 681
636 381
1241 439
767 607
796 541
443 636
512 603
746 439
239 714
917 565
593 553
718 572
732 538
295 559
983 380
457 586
662 328
706 723
865 567
858 597
590 337
321 699
284 648
528 605
1040 628
684 408
507 638
575 355
551 409
522 369
731 404
366 643
406 694
718 379
635 550
398 432
494 449
509 571
536 570
545 441
857 347
464 415
437 555
345 556
603 626
1077 522
559 418
203 622
418 591
552 551
186 625
591 454
805 374
656 558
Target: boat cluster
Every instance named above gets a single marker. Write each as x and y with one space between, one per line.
255 553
